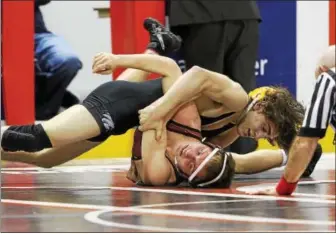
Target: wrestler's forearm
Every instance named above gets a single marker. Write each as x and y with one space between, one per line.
299 157
198 81
148 62
188 87
258 161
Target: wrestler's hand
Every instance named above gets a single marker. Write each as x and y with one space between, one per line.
265 191
104 63
149 120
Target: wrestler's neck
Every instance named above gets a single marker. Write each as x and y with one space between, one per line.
239 116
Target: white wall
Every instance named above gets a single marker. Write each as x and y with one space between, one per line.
312 38
79 24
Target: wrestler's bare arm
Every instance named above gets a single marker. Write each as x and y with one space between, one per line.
196 82
258 161
156 168
147 62
300 154
250 163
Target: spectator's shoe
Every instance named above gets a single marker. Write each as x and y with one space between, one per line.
162 40
311 166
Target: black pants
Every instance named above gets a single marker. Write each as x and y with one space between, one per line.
227 47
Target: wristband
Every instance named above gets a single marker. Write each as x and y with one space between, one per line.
285 188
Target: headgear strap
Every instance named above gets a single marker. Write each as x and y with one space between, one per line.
200 167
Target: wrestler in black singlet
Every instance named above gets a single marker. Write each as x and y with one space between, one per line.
115 104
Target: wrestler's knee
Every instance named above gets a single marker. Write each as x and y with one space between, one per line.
199 72
29 138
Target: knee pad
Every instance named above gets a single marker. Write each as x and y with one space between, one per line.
29 138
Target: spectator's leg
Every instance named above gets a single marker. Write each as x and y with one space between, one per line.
56 59
202 45
239 65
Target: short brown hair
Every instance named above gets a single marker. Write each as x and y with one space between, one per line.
281 107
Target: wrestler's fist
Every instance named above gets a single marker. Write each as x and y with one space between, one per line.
104 63
150 121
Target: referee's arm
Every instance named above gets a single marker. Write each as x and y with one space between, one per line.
314 127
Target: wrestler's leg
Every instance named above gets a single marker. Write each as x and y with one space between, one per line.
72 125
135 75
50 157
258 161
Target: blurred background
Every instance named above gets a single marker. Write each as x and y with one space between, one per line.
292 35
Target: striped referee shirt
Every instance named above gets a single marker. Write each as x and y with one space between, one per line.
322 108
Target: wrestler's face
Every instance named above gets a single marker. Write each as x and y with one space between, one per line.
256 125
189 156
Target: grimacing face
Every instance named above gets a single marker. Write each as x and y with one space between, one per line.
189 156
257 126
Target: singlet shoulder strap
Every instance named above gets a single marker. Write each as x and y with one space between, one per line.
184 130
137 143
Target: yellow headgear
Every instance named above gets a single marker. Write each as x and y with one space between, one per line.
260 93
256 95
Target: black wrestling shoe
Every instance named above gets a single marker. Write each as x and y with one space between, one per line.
162 40
311 166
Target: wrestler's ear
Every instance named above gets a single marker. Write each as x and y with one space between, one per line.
258 106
